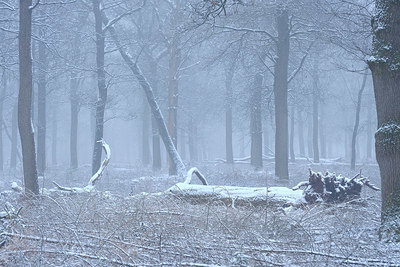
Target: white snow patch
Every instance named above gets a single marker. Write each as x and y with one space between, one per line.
239 193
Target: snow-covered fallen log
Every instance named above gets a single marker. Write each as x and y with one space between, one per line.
232 195
95 177
330 188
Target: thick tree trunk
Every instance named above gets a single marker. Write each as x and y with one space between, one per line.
41 107
386 77
291 143
155 109
14 137
315 117
280 93
256 123
356 124
145 133
154 128
101 83
25 98
300 129
74 105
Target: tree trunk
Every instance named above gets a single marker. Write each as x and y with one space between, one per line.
41 108
101 83
228 113
369 134
292 156
155 109
256 123
386 78
280 93
73 141
309 137
267 149
315 117
2 98
356 124
25 98
194 156
14 137
300 129
322 136
173 98
154 128
54 136
145 133
346 144
182 145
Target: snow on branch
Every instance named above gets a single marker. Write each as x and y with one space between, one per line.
104 164
190 173
95 176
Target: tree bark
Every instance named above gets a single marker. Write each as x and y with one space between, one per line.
14 137
154 128
193 153
309 137
173 95
369 134
145 133
256 123
2 98
101 83
280 93
291 143
356 124
169 145
228 112
74 106
300 129
25 98
386 78
322 137
54 136
267 149
315 117
41 109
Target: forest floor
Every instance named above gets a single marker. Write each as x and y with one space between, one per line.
126 227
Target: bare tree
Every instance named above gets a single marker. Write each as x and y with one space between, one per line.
41 106
280 92
25 97
101 83
356 124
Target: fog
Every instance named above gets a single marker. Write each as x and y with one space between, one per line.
252 94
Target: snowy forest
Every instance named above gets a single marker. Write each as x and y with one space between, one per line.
199 132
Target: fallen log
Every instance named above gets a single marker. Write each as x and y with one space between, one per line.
329 187
95 177
231 195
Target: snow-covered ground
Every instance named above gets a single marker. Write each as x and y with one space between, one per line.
131 228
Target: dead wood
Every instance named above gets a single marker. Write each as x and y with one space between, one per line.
95 176
329 187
